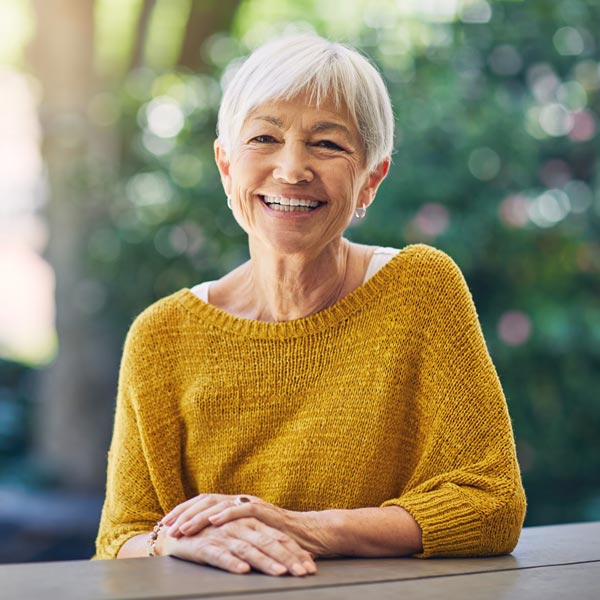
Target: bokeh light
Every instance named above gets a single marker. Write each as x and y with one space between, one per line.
513 211
484 164
584 126
568 41
164 117
548 208
514 328
432 220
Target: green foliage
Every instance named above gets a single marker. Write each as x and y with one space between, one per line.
472 144
496 164
472 165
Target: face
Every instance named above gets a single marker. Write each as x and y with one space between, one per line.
296 174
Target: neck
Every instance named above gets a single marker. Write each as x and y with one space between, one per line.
283 287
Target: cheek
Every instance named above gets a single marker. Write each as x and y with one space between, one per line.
345 183
245 176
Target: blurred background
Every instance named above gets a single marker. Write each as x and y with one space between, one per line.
109 199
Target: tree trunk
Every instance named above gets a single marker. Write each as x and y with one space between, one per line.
76 393
137 55
207 17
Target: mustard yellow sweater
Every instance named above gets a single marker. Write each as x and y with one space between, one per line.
388 397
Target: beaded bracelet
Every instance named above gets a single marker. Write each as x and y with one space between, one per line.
153 537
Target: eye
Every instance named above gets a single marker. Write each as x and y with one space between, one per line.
263 139
328 144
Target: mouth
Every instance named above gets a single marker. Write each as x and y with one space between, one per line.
290 204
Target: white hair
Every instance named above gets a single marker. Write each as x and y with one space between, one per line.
290 65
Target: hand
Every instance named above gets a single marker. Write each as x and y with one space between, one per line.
191 517
240 545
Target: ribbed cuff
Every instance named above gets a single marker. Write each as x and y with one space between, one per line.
450 525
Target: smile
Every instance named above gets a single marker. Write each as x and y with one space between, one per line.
290 204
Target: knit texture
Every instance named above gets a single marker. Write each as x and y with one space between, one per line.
388 397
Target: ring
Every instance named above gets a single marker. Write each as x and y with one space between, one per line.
239 500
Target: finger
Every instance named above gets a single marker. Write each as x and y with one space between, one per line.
270 517
196 508
231 513
266 513
172 515
257 559
218 555
307 558
190 525
275 544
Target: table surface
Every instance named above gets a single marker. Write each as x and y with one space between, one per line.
549 562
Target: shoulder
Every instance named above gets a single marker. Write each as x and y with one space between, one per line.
429 281
423 255
160 320
428 266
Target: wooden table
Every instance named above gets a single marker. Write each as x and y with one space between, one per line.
560 561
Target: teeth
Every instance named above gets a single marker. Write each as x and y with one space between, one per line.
296 202
280 207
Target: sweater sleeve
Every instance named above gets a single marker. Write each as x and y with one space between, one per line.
131 505
465 491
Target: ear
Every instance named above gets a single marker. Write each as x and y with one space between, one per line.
223 165
374 179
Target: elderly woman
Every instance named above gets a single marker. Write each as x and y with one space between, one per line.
324 398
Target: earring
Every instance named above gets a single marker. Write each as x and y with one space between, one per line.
360 212
229 203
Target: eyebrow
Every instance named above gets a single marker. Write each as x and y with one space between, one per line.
272 120
328 125
316 128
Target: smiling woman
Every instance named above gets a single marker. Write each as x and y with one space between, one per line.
324 398
295 177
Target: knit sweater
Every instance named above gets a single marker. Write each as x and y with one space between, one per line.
387 397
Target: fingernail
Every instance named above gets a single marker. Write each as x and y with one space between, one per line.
310 567
298 569
242 567
214 518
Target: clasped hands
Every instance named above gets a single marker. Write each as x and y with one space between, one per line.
238 536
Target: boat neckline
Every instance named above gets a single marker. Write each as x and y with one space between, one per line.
337 312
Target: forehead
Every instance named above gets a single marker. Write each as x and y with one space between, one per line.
326 115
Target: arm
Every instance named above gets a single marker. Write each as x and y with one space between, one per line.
360 532
131 507
135 547
143 478
136 492
366 532
369 532
465 489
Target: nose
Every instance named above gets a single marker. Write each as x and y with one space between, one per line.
293 164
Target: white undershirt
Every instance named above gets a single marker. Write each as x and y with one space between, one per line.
380 257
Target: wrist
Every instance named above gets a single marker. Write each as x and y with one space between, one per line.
158 540
326 526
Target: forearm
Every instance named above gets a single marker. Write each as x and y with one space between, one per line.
368 532
135 547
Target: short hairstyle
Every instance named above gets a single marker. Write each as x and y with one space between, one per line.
285 67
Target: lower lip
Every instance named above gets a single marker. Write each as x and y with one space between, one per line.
290 214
